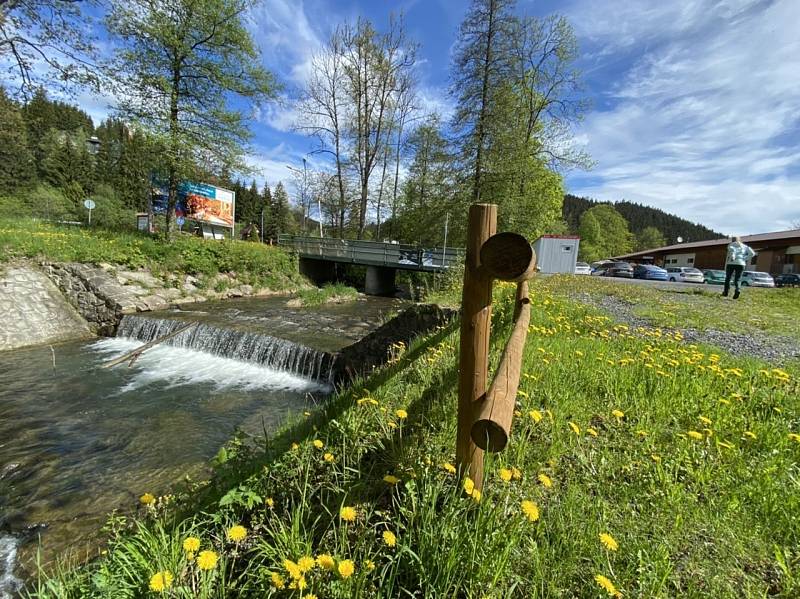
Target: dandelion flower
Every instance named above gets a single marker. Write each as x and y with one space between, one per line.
147 499
608 541
369 565
607 585
531 510
695 435
277 580
348 514
325 561
390 479
575 428
794 437
270 502
389 538
469 485
328 457
546 481
295 446
191 544
476 495
618 413
506 474
318 444
293 569
401 414
310 596
161 581
516 473
591 431
306 563
750 434
237 533
346 568
704 420
207 560
449 468
535 415
655 458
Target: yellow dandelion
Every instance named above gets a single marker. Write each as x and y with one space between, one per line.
449 468
546 481
346 568
389 538
704 420
295 446
469 485
328 457
608 541
618 414
750 434
277 580
293 569
306 563
237 533
607 585
325 561
575 428
476 495
531 510
516 473
390 479
505 474
191 544
794 437
318 444
695 435
369 565
724 444
535 415
302 583
207 560
310 596
270 502
348 514
591 431
401 414
147 499
655 458
161 581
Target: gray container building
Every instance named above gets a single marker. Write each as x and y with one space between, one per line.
556 253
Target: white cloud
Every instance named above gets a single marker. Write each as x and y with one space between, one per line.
700 121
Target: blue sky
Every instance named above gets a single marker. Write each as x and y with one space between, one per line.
696 103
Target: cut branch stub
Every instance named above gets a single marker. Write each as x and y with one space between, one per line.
508 257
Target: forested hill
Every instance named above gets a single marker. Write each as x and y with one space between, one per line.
639 217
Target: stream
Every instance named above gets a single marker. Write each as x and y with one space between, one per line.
78 441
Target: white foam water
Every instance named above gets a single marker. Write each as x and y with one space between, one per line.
9 584
180 366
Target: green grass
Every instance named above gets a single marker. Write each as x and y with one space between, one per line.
259 265
330 293
686 457
773 311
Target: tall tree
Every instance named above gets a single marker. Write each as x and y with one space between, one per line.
280 217
649 238
604 234
46 42
180 64
17 168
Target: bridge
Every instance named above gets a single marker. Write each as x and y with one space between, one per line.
319 256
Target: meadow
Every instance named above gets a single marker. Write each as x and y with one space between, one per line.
639 465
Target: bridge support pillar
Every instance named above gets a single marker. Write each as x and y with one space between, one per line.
380 281
318 271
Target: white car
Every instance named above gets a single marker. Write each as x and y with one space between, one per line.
685 274
757 279
581 268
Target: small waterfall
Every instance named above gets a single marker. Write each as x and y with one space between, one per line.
9 584
244 346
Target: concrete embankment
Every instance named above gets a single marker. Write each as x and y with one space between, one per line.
33 310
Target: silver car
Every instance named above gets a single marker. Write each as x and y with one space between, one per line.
757 279
581 268
685 274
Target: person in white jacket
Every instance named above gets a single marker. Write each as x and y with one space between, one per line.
739 255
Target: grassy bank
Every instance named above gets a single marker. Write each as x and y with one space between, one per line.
638 465
328 294
259 265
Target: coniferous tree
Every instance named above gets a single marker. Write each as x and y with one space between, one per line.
280 218
265 214
17 168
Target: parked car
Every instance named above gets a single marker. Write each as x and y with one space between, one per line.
582 268
714 277
618 269
790 280
753 278
649 272
599 267
685 274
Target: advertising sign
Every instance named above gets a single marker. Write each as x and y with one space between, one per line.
199 202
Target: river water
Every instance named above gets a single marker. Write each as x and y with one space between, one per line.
78 441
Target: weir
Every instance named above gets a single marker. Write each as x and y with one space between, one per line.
245 346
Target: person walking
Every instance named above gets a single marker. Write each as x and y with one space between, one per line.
739 255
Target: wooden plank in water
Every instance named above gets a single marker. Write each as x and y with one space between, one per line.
134 355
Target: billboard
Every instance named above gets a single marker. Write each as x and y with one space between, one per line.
199 202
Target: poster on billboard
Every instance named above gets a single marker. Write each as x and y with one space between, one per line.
199 202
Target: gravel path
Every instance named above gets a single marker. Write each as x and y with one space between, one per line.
772 348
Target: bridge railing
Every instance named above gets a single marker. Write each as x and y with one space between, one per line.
375 252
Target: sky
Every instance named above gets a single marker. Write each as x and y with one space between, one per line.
695 103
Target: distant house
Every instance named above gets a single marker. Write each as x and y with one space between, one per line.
776 253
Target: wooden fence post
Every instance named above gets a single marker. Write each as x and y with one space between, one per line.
476 316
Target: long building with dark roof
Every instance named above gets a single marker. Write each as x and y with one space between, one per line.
776 253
